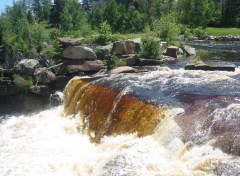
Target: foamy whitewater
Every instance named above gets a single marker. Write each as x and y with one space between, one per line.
49 144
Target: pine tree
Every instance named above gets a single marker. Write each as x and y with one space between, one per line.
56 11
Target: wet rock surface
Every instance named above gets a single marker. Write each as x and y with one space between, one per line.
211 66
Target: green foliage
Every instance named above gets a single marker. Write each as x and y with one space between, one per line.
196 60
41 9
223 31
166 28
39 35
72 16
116 61
55 13
105 33
24 83
197 13
113 61
203 55
150 48
199 32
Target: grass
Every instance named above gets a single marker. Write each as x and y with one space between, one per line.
223 31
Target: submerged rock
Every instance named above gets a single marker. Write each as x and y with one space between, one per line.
145 62
41 90
56 99
211 66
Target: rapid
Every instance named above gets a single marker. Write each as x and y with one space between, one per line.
163 122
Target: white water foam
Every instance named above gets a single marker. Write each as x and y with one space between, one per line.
49 144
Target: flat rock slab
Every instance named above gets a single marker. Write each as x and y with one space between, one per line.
189 50
123 69
75 66
66 41
211 66
79 52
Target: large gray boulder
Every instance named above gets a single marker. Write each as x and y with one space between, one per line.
76 66
125 47
28 66
67 41
79 52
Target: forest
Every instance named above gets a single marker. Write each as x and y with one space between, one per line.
33 26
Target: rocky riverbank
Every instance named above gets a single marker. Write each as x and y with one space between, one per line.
35 79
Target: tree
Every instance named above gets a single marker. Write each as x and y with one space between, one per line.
87 5
97 14
166 28
112 15
56 11
197 13
73 15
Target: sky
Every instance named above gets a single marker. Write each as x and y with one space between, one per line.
3 4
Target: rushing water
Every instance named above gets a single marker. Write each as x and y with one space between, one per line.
198 133
225 50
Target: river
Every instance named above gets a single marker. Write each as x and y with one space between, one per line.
165 122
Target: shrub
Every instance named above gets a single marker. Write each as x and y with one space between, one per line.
113 61
150 48
203 55
117 62
24 83
105 33
199 32
166 28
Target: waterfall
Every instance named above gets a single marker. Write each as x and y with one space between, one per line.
169 122
109 112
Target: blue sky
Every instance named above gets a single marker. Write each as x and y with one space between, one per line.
3 4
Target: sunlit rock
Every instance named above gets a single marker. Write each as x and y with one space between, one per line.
79 52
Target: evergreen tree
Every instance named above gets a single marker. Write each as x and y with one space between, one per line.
72 15
197 13
87 5
56 11
97 14
112 14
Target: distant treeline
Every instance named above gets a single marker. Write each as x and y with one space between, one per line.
27 24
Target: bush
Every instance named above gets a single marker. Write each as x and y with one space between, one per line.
199 32
105 33
150 48
24 83
166 28
113 61
203 55
117 62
